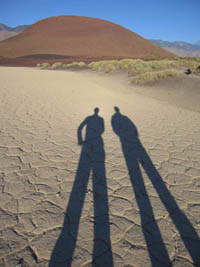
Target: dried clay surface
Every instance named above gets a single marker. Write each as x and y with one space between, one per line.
85 184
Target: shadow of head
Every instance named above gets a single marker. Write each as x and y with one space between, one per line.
123 126
117 110
96 111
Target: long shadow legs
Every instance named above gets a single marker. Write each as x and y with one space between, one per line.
102 253
154 241
92 159
135 154
62 254
187 232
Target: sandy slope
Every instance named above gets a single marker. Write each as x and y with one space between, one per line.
153 211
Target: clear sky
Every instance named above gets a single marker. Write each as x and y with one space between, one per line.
169 20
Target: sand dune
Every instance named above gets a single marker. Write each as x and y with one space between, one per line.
128 196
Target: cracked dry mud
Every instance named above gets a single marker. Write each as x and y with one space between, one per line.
151 186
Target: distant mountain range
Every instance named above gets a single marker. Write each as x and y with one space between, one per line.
197 43
14 29
179 48
7 32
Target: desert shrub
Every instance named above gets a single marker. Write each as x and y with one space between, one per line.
44 65
195 69
128 63
159 64
198 69
189 63
136 67
95 65
109 68
140 68
75 64
153 76
148 66
82 64
113 62
57 65
98 66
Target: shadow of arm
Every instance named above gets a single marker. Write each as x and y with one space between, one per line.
79 131
102 128
115 125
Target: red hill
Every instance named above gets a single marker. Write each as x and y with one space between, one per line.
76 36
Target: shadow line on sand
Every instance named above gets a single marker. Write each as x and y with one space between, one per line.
136 155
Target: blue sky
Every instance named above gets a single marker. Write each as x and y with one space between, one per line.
168 20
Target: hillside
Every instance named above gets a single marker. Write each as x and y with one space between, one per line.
79 36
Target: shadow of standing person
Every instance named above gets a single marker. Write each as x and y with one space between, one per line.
92 158
136 155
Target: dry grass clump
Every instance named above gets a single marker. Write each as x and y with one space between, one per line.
107 66
110 66
95 65
133 66
149 66
160 64
60 65
75 64
140 71
157 65
153 76
188 63
44 65
126 64
140 68
195 69
198 69
57 65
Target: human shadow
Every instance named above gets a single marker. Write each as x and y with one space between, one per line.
92 159
136 156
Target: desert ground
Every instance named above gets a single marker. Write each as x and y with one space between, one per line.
97 172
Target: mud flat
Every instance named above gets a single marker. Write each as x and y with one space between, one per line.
129 196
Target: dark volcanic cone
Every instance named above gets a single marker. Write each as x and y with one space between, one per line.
79 36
